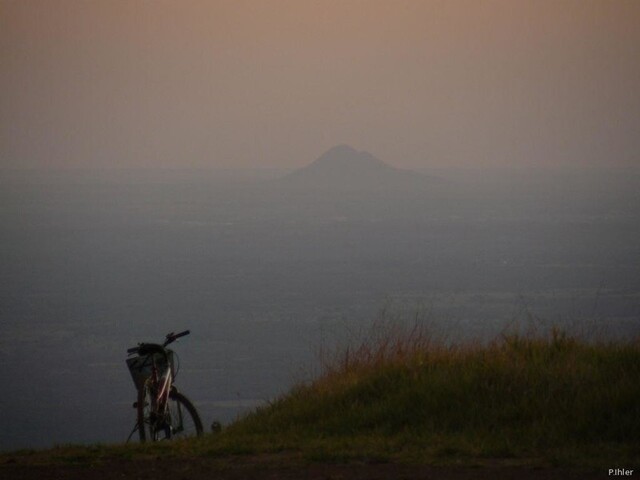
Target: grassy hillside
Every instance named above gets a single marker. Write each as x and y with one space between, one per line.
552 399
537 400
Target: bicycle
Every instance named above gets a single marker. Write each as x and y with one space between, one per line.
163 413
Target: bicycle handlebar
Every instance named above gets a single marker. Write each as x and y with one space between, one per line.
172 337
146 348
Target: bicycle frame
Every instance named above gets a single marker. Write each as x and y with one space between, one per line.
162 411
159 399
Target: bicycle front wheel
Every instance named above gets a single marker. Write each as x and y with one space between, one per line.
183 417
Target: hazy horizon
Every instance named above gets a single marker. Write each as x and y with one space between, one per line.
141 149
264 276
246 84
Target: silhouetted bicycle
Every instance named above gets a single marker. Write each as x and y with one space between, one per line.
163 412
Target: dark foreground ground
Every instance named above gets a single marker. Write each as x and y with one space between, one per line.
261 468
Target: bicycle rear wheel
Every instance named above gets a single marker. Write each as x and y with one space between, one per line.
183 416
179 420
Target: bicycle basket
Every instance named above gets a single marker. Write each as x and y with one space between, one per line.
141 366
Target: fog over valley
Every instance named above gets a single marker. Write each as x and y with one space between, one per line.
267 267
283 177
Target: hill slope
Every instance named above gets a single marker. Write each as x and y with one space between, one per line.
402 407
555 398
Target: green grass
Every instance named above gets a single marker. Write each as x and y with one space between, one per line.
552 399
399 396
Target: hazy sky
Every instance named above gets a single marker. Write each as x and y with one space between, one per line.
275 83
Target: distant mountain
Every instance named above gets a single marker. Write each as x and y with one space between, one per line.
344 168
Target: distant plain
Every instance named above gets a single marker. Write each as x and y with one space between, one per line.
266 276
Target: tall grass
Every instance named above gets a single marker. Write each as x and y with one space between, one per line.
517 396
401 394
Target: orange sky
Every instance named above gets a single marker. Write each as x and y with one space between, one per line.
275 83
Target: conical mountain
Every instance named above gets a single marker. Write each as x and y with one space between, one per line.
343 167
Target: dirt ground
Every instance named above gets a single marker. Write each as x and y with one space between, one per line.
254 469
